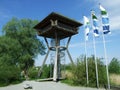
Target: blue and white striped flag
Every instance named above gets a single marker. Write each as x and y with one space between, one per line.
105 21
87 27
95 25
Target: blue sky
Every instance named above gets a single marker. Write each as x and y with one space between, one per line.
75 9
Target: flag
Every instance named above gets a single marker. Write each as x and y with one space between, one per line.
105 21
87 27
95 25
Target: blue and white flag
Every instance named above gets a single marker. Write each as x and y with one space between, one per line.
95 25
105 21
87 27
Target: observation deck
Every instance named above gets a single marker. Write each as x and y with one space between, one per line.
58 24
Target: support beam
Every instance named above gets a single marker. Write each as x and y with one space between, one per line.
55 73
46 42
68 51
40 71
70 57
68 42
57 58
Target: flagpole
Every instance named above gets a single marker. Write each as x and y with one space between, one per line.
108 82
86 63
86 32
105 53
96 67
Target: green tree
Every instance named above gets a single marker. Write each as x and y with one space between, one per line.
79 72
9 52
9 74
33 72
26 42
92 72
114 66
46 71
9 71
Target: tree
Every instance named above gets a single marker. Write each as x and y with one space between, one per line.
9 52
79 72
9 71
9 74
27 45
114 66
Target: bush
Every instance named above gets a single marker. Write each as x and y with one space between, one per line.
79 72
33 72
114 66
46 72
9 74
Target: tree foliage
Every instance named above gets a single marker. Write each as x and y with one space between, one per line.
79 72
9 51
46 71
33 72
22 31
19 46
9 71
114 66
9 74
29 45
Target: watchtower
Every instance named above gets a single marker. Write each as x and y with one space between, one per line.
57 27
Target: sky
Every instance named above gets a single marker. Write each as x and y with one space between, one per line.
75 9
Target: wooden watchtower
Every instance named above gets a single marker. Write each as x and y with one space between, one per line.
57 27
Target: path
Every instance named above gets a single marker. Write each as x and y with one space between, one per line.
45 86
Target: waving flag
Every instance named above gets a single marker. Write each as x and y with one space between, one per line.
95 25
105 21
87 27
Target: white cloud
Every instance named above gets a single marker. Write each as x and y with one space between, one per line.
76 45
3 15
89 44
109 3
115 22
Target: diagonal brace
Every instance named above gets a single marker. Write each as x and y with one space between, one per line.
40 71
68 50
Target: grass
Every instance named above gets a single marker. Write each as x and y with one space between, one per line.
67 81
68 75
115 79
3 84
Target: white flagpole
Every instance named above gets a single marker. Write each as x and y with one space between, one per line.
86 62
105 53
86 38
96 67
108 82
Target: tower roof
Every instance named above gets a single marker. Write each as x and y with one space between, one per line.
58 24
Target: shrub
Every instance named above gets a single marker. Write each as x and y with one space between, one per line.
114 66
46 72
9 74
79 72
33 72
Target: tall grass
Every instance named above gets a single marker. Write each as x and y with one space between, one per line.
115 79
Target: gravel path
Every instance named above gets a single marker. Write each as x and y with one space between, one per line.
45 86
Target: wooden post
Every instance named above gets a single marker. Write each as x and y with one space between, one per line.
57 58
